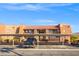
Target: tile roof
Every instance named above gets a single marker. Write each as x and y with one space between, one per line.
41 27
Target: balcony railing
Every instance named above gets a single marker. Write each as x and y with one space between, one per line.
44 34
24 34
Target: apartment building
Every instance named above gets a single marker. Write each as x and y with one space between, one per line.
51 33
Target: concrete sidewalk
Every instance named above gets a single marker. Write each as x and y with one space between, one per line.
42 47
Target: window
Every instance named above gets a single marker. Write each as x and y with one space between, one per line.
50 31
28 31
54 37
41 31
54 31
68 26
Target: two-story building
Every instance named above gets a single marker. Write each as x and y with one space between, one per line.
50 33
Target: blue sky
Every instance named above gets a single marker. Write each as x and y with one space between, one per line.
40 14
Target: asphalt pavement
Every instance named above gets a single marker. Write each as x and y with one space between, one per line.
53 50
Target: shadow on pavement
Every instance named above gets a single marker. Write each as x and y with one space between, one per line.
8 50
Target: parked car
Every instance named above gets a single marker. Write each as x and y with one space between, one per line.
30 42
75 43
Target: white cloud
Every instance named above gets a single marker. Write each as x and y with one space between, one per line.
45 21
32 7
23 7
60 4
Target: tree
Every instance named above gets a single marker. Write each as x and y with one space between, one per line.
74 38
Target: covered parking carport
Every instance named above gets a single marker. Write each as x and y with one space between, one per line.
37 36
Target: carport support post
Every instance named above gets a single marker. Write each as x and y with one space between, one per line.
37 38
2 40
13 43
37 41
21 38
